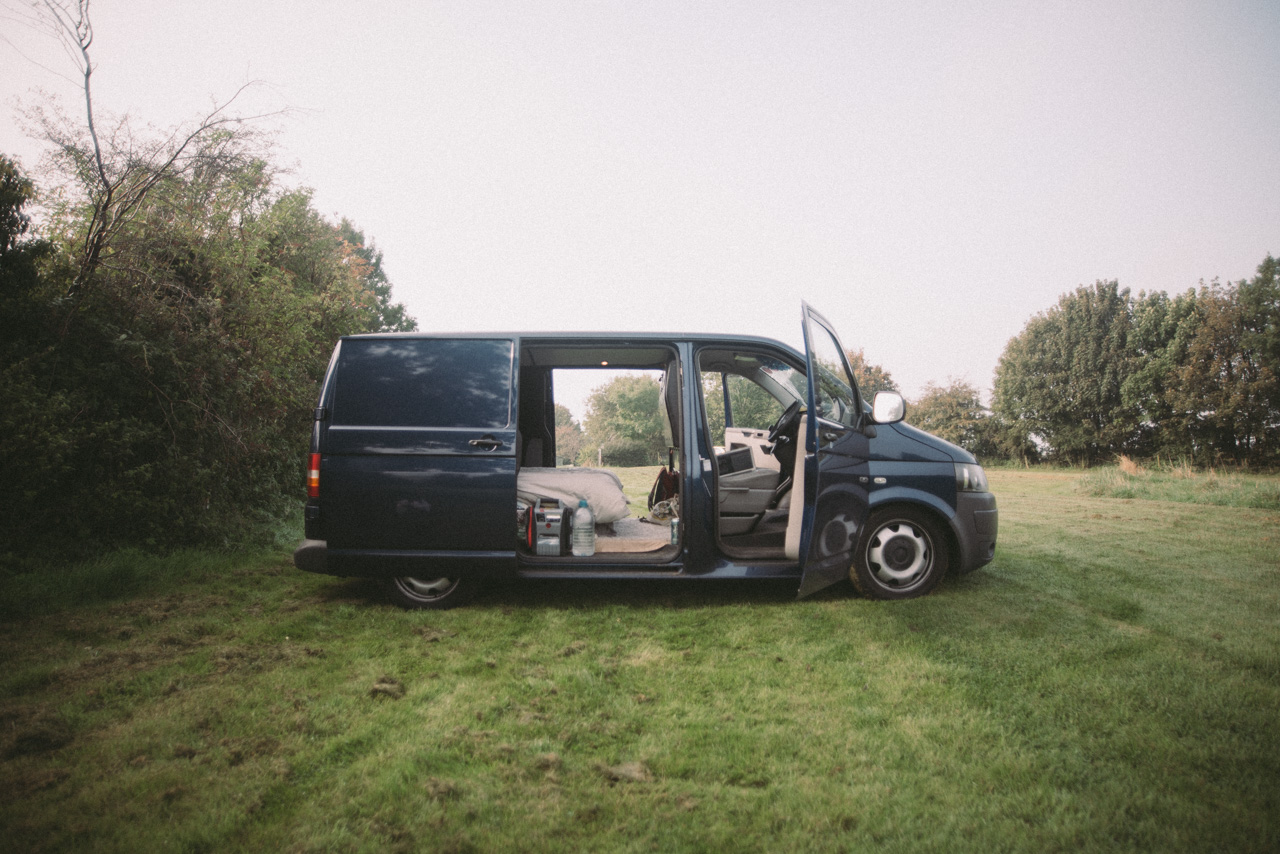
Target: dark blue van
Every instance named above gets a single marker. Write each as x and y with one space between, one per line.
433 466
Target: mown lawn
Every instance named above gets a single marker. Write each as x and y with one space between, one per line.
1111 681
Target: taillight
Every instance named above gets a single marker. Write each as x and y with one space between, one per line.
313 477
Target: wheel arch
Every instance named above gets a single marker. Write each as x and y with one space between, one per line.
944 514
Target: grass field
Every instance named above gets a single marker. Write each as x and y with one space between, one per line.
1110 682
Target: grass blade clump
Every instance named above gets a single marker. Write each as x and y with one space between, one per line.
1182 484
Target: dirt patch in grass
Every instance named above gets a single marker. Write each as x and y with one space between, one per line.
29 783
431 634
387 686
38 731
627 772
258 658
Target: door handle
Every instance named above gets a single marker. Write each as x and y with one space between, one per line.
487 443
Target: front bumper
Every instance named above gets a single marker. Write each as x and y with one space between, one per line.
976 526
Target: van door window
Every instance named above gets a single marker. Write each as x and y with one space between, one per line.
745 392
836 461
734 402
834 395
424 382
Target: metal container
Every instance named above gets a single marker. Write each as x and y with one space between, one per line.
551 527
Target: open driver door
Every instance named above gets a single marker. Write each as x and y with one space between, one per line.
835 469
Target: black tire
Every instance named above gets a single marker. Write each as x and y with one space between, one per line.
901 554
434 593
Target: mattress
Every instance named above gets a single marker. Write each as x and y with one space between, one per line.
601 488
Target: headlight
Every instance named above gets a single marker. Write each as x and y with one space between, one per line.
970 478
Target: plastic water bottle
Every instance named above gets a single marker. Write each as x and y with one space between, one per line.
584 530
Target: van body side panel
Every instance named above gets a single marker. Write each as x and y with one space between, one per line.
928 483
418 465
422 501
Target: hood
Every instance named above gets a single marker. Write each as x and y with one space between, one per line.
941 447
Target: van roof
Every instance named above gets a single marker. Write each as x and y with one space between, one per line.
620 337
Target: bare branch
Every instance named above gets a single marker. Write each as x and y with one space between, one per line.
77 35
115 170
39 23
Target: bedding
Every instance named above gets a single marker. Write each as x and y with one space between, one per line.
601 488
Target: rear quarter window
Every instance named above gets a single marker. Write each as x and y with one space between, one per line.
423 382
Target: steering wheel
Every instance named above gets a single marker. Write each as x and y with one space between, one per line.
785 422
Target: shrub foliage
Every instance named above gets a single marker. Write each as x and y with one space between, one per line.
158 388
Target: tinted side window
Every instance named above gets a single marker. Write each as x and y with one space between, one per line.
423 382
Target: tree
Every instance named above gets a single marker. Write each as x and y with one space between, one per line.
20 253
31 442
1260 302
16 192
175 408
624 423
1158 337
1260 307
568 435
870 377
1060 379
114 169
386 316
1195 376
1227 388
953 412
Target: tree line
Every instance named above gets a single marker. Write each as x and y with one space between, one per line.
1193 377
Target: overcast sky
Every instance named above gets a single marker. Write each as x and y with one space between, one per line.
929 176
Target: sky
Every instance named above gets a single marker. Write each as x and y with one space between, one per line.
929 176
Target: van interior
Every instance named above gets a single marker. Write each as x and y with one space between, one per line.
750 410
753 412
546 476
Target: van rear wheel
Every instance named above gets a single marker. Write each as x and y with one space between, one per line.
901 554
408 591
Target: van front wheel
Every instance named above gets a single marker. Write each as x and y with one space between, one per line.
436 593
901 554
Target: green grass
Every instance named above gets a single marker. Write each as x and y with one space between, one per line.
1183 484
1110 682
636 483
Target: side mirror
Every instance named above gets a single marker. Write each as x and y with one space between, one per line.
888 407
